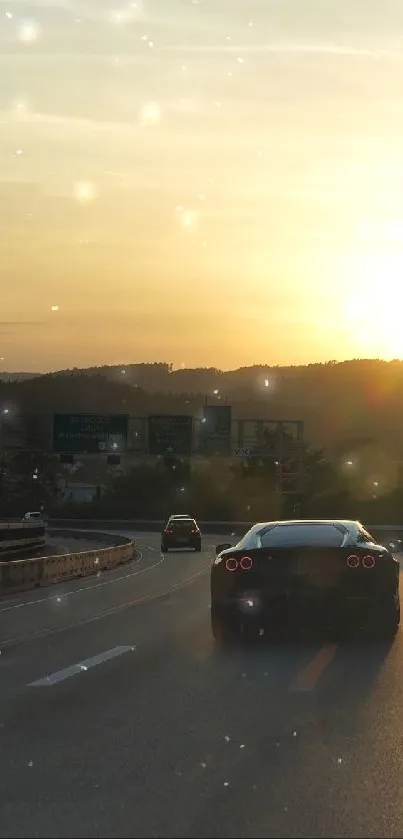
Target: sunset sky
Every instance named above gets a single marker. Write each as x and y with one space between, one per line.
204 182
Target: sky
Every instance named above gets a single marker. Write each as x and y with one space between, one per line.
202 182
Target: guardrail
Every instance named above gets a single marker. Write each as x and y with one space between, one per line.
23 574
17 537
208 527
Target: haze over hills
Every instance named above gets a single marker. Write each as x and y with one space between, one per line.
339 402
17 377
161 377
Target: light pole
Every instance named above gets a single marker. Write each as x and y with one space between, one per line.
35 476
4 413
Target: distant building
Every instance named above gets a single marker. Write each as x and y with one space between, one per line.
78 493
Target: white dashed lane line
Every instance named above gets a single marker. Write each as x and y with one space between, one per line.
147 598
81 667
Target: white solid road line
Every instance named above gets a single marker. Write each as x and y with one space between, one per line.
63 594
81 667
10 605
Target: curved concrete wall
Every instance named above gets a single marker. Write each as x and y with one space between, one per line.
23 574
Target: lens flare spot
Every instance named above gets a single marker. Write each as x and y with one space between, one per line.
150 114
28 31
85 192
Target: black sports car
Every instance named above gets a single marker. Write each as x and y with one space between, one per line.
284 574
180 532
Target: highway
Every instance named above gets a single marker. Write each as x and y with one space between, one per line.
119 718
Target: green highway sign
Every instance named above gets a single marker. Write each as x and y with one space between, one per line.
217 420
170 435
216 430
90 433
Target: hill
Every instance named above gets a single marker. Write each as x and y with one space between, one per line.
341 403
17 377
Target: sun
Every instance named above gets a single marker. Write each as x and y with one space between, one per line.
373 304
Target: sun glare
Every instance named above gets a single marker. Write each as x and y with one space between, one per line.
374 305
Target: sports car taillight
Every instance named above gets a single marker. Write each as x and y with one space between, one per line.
233 564
246 563
368 561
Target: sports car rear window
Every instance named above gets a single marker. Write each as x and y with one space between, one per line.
302 536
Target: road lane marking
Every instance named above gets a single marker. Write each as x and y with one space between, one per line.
308 678
147 598
63 594
9 601
90 587
81 667
12 604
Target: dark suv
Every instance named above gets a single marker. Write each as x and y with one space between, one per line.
176 516
180 533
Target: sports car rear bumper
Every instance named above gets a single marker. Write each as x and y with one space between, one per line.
287 611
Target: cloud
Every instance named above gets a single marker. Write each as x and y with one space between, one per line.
293 49
85 10
35 118
32 5
58 122
118 15
93 52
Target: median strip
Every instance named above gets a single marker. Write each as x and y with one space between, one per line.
81 667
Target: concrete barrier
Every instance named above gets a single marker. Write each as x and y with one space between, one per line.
23 574
17 537
61 567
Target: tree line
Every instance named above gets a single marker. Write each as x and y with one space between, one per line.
217 490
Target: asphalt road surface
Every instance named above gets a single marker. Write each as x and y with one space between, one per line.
118 718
